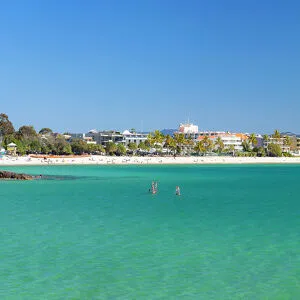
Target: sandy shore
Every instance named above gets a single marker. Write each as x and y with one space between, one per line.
129 160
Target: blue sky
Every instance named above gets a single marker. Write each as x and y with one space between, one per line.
151 64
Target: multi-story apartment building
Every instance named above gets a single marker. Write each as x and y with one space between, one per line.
103 137
228 139
133 137
278 141
190 131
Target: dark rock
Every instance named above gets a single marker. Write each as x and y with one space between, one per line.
16 176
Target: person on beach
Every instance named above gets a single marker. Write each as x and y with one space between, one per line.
177 192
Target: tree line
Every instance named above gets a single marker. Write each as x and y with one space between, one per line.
46 142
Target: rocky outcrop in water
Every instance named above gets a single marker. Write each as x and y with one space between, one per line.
15 176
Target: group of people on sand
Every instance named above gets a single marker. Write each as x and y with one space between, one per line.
154 188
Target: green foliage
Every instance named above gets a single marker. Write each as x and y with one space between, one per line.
219 145
94 149
143 146
199 148
287 141
274 150
27 132
61 146
110 148
132 146
79 146
179 139
260 151
286 154
276 134
121 150
252 139
170 143
207 144
45 131
266 137
246 146
6 126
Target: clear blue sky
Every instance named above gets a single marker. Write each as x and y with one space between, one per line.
78 65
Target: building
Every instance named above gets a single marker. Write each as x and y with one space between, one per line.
188 128
191 132
133 137
11 149
73 136
229 140
278 141
103 137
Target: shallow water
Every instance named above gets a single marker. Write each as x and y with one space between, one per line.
232 234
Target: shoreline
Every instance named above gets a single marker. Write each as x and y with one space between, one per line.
135 160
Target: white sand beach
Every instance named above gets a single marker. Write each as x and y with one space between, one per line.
135 160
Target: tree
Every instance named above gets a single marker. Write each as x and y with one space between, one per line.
27 132
276 134
110 148
143 146
35 146
158 137
252 139
6 126
246 146
266 138
207 144
78 146
219 145
168 142
230 149
274 150
260 151
45 131
199 148
179 140
132 146
61 146
287 141
121 150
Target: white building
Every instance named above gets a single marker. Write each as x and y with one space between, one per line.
133 137
228 139
278 141
188 128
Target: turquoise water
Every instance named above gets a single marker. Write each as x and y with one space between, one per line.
233 234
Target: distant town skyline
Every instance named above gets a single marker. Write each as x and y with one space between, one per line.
225 65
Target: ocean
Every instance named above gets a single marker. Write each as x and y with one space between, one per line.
95 232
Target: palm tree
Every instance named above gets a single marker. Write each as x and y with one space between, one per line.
179 139
150 140
287 141
199 148
158 137
207 144
231 149
219 144
252 139
133 147
265 137
155 138
168 141
246 146
276 134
